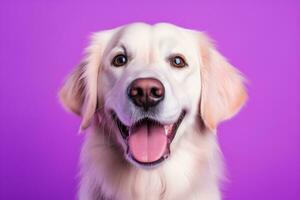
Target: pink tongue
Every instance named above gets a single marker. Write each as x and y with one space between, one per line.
148 142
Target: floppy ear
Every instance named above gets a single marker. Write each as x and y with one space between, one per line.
72 92
79 92
223 92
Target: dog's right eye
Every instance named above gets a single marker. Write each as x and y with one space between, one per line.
119 60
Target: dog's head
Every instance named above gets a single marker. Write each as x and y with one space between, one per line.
151 82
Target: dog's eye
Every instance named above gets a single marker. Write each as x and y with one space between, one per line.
119 60
178 61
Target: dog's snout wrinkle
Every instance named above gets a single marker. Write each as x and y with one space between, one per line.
146 92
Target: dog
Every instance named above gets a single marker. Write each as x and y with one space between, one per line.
150 98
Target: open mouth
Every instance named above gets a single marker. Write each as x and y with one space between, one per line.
148 141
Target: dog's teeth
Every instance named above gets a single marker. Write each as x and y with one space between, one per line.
168 129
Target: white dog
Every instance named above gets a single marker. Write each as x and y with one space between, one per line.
151 97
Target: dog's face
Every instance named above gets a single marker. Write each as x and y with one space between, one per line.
151 80
151 83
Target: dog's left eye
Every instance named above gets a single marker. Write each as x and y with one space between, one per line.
178 61
119 60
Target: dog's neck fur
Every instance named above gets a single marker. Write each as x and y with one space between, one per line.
105 174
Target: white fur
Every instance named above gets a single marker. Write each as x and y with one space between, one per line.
209 89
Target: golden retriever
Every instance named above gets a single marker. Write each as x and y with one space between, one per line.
151 97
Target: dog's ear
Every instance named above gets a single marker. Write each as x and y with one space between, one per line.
79 92
223 91
72 93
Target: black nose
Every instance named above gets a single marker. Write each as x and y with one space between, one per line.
146 92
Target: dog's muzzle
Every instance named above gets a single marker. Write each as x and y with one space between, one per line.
147 139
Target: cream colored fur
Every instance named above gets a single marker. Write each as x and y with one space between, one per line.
210 89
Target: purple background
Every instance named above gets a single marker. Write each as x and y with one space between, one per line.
40 42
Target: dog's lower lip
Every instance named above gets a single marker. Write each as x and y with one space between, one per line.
124 130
